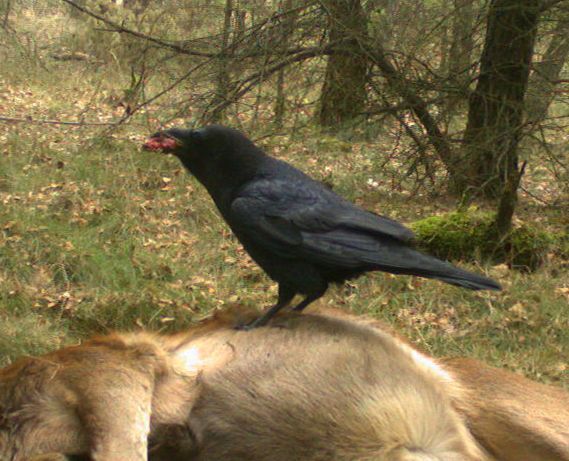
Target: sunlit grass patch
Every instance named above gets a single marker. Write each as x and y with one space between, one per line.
31 334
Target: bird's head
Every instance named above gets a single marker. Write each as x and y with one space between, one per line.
175 141
213 153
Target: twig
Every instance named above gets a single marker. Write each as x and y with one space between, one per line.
119 28
159 94
173 46
535 197
53 122
251 81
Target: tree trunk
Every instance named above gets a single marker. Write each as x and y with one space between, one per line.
343 93
546 72
496 107
287 28
387 20
222 83
444 50
507 205
460 55
462 44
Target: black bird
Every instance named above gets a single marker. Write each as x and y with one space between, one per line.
300 232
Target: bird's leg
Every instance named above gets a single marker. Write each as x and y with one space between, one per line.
265 318
285 297
309 299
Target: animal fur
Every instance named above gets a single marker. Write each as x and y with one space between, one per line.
325 387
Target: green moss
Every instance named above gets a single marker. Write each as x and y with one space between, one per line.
452 236
471 235
528 247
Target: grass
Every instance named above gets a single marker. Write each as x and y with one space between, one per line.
96 235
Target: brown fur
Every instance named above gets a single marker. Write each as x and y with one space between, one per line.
512 417
321 387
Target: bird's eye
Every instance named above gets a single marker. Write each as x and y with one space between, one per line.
197 135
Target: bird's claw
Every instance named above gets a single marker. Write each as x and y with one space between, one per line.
244 327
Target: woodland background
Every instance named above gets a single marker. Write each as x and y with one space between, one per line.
450 116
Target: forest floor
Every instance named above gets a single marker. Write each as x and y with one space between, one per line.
96 235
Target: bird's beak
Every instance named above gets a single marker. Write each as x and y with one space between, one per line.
162 142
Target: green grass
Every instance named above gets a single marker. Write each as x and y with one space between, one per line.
119 239
96 235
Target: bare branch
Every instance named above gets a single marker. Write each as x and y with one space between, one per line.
250 82
415 102
160 93
54 122
121 29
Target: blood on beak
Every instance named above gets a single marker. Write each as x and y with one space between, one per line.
161 143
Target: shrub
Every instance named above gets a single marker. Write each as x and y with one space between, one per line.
470 235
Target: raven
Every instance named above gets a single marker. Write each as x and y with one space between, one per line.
301 233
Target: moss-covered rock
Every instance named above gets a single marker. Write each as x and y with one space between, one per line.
470 235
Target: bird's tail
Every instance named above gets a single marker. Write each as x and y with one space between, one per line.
462 278
358 252
413 262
